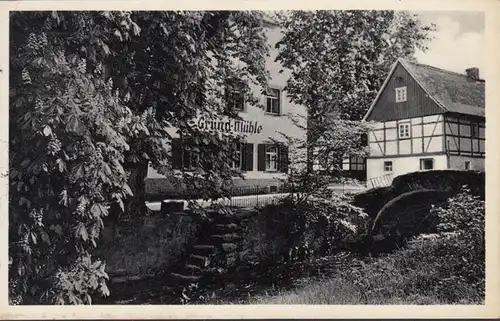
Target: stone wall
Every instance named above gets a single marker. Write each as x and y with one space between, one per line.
266 236
143 246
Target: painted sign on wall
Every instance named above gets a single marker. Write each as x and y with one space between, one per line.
231 125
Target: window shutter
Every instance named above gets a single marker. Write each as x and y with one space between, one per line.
283 158
279 103
176 153
206 158
247 157
261 157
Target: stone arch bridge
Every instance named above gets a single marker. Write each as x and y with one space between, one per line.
403 208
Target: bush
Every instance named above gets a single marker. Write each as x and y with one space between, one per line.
296 229
449 265
461 228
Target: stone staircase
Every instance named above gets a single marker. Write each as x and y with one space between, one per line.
216 247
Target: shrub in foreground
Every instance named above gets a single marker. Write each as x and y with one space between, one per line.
297 229
447 267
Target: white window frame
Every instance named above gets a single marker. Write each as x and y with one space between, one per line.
239 152
401 95
271 158
422 160
386 166
406 132
270 96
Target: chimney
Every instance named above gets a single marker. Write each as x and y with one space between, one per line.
473 73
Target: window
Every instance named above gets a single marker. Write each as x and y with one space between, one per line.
404 130
273 189
235 97
190 159
238 159
236 100
273 101
357 163
474 130
186 155
400 94
388 166
271 158
467 165
427 164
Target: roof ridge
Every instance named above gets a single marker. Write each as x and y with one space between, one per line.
433 67
423 85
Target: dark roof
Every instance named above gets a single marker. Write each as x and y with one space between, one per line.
453 91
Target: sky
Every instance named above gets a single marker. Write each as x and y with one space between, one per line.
459 42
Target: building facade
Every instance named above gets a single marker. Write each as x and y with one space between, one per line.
426 118
265 156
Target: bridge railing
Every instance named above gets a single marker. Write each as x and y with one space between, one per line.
380 181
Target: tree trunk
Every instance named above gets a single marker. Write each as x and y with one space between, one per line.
136 205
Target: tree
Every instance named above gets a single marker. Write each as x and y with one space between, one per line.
93 98
339 60
339 139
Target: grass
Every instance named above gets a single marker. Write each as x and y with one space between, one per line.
340 291
403 277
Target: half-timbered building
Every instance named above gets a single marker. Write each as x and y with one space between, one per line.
426 118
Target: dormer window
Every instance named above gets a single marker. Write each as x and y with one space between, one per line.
400 94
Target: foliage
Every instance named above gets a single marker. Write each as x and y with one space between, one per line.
462 229
449 265
340 139
338 61
314 219
443 268
294 231
94 97
341 58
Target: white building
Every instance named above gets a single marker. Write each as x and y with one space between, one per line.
263 163
426 118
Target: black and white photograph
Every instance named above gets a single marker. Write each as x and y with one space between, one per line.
246 157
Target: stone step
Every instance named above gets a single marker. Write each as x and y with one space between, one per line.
223 219
224 238
189 270
229 247
186 278
193 267
204 250
198 260
224 228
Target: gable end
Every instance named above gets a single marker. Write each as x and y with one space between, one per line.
418 103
